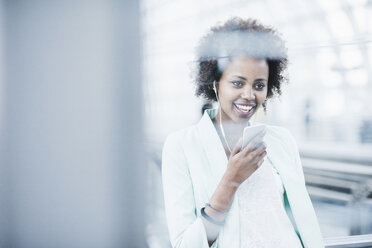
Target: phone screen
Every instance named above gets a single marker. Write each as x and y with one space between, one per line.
251 132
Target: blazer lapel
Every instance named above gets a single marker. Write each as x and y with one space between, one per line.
217 165
299 202
212 147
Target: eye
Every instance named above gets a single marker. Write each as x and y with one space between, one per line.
237 83
260 86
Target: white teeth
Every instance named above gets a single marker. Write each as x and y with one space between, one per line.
244 108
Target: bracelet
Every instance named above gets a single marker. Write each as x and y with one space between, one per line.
217 210
211 220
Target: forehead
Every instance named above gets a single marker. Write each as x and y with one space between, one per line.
247 66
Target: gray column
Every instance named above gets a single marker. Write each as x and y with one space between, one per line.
3 177
72 124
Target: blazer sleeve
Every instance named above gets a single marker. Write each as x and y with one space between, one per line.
186 230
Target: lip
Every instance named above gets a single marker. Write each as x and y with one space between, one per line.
244 114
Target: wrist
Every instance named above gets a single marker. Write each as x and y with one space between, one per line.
229 181
215 209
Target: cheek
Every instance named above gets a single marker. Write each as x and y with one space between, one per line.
261 96
227 93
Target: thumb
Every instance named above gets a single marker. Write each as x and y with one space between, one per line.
237 147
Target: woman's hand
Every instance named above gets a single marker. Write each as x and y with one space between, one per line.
243 163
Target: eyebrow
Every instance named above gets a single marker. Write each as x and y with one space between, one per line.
243 78
260 79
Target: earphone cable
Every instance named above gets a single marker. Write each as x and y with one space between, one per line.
221 127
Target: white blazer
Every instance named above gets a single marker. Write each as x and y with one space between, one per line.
193 164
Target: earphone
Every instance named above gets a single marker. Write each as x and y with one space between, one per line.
221 127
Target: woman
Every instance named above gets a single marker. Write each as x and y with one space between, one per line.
222 195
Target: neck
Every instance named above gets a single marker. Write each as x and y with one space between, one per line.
233 130
230 124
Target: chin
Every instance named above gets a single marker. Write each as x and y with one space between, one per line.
240 119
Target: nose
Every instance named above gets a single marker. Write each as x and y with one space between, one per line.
248 93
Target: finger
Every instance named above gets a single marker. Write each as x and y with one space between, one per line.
255 151
237 147
255 156
259 157
257 145
260 162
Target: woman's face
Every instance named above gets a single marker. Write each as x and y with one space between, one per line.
243 88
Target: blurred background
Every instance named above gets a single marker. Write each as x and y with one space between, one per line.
89 90
326 104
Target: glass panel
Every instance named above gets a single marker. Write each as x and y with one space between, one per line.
339 24
326 104
351 57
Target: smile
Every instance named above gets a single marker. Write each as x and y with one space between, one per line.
244 109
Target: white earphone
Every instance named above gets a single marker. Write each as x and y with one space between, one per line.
221 127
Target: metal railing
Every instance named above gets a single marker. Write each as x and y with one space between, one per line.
357 241
338 181
340 177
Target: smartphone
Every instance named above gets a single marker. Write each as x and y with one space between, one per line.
251 132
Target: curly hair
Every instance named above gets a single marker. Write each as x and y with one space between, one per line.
239 36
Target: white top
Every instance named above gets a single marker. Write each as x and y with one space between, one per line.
263 219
